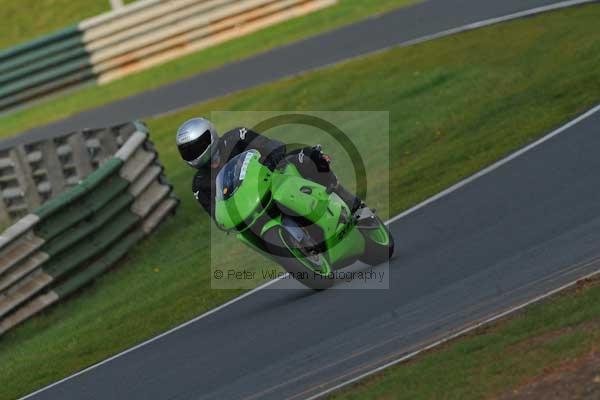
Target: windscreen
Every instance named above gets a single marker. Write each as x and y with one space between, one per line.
232 175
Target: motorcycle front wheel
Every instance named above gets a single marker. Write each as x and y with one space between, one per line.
304 264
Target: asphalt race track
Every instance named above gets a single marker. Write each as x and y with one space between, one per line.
526 227
406 24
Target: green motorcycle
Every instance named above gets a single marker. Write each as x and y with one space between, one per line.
297 222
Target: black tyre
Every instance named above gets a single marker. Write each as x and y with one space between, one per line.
309 268
379 242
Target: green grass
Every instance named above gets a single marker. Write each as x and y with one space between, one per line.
24 20
456 105
493 360
89 96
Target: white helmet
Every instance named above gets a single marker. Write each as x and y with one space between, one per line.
197 141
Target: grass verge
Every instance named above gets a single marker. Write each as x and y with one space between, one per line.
456 105
90 96
28 19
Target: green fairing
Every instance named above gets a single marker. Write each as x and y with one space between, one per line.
319 207
287 191
250 199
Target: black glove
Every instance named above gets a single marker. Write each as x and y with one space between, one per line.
320 159
272 159
270 163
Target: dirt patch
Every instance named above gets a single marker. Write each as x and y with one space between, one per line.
575 379
578 288
545 338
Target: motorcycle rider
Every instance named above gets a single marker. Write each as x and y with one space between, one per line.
201 147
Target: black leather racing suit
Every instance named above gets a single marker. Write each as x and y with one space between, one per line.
310 163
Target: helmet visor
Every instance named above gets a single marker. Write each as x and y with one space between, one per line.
194 149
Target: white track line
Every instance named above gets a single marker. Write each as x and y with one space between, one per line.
497 164
426 38
178 327
454 335
441 34
397 217
493 21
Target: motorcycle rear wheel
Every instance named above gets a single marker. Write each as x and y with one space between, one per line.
379 242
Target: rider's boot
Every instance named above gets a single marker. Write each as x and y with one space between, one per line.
322 162
353 202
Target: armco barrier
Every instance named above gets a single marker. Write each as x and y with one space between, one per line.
35 172
42 66
73 238
132 38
